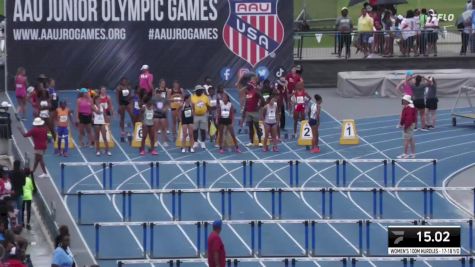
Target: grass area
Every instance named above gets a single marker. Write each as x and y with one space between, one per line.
324 9
2 6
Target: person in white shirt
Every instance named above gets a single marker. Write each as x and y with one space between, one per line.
408 33
432 33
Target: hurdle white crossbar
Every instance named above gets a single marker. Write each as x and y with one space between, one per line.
318 221
268 189
192 162
299 259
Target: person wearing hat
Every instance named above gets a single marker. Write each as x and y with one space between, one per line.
145 81
405 86
39 134
21 83
408 123
84 116
216 251
201 106
344 26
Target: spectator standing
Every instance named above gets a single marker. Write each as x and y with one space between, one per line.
62 256
344 26
62 231
408 33
388 28
418 90
408 123
431 102
365 29
21 82
432 33
417 31
145 82
18 180
216 251
466 32
39 134
201 105
405 86
422 23
29 188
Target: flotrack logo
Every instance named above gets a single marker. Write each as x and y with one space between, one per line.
253 30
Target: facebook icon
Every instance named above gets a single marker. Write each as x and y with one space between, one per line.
226 74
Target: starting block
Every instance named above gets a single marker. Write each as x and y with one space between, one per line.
349 135
178 142
305 136
108 138
137 137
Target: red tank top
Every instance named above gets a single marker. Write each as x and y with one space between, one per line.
293 79
104 102
252 100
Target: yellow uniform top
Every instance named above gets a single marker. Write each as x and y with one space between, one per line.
200 103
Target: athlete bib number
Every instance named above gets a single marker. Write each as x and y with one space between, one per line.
188 113
159 105
63 118
300 100
44 114
271 116
149 115
125 92
225 114
136 105
213 103
99 119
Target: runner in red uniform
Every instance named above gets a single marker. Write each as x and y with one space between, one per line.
253 102
299 99
293 78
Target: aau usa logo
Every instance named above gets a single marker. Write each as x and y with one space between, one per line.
253 30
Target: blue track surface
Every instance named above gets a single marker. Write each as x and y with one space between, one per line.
453 147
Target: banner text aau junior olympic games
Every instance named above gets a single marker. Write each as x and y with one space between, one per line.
114 10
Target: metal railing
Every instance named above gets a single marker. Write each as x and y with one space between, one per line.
383 44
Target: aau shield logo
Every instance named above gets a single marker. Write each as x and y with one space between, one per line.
253 30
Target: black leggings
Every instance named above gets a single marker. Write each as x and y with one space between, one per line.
203 135
27 205
251 130
344 40
282 117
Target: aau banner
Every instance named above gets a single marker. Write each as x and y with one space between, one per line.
99 41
